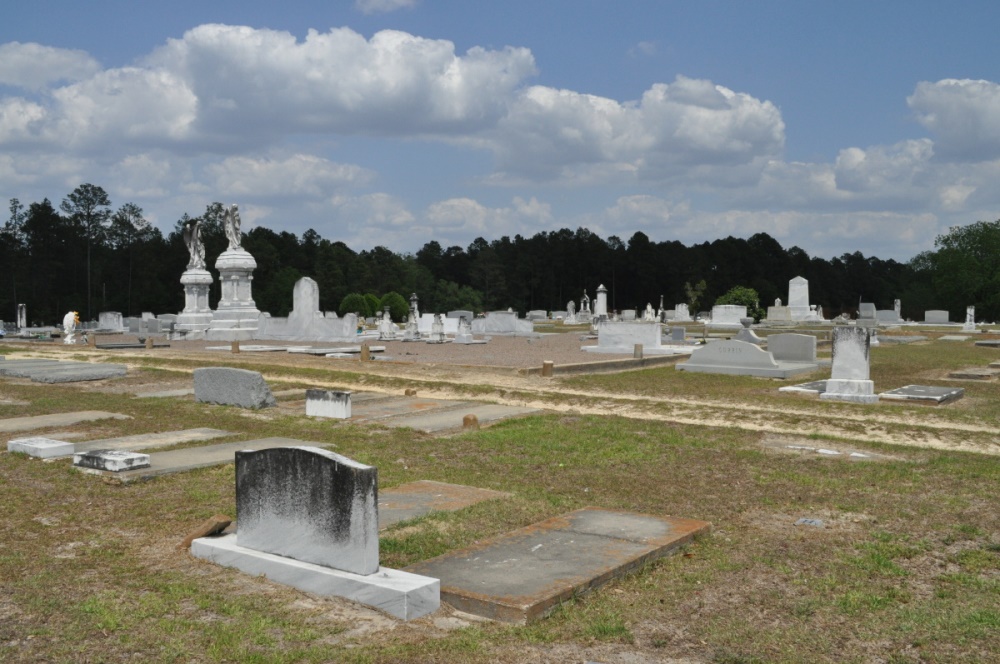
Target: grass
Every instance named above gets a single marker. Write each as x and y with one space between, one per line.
905 569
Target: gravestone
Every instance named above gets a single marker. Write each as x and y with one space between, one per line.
798 298
728 315
412 331
386 328
867 312
236 317
681 313
110 321
458 313
743 359
22 319
308 504
792 347
936 317
779 314
601 302
970 320
849 377
437 335
43 448
678 335
464 334
628 315
232 387
111 460
537 314
328 403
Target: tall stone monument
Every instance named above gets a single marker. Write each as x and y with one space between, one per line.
601 302
236 318
197 315
970 320
798 298
22 319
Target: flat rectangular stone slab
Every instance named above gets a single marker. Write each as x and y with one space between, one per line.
524 575
416 499
353 350
190 458
150 440
451 418
113 461
953 337
251 348
814 387
43 448
182 392
380 409
989 343
398 593
79 372
924 393
56 420
974 374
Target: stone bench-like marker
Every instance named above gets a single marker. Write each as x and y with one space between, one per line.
43 448
308 518
232 387
110 460
328 403
742 359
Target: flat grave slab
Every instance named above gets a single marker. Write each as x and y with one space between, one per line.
82 372
124 345
56 420
113 461
451 418
151 440
522 576
989 343
953 337
353 350
900 340
251 348
416 499
399 593
924 394
975 373
380 409
812 387
182 392
43 448
177 461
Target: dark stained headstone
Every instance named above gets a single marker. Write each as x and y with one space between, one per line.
308 504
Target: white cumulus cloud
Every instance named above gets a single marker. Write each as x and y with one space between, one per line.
297 175
963 114
34 66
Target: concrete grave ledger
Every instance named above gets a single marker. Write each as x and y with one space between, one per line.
308 504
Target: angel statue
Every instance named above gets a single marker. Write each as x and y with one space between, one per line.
231 222
192 238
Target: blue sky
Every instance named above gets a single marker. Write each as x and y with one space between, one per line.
836 127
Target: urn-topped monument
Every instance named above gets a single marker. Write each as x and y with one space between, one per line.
236 317
197 315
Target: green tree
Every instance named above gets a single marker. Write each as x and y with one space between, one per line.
354 303
399 308
89 209
966 269
374 303
745 297
693 294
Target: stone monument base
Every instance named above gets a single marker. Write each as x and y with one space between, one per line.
401 594
854 391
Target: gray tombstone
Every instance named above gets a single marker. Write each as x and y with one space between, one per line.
308 504
742 359
232 387
678 334
849 376
866 311
792 347
936 316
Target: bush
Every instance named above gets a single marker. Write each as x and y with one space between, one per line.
374 304
399 308
743 296
354 303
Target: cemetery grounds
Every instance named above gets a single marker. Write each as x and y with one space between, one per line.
902 566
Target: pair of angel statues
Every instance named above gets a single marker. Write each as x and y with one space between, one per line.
192 236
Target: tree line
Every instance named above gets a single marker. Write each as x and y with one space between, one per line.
85 255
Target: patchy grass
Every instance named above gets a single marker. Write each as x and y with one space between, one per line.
905 568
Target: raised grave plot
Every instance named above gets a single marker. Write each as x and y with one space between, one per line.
924 394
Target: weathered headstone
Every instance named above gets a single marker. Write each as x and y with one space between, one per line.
867 312
328 403
849 378
936 316
792 347
308 504
728 315
601 302
970 320
111 460
232 387
681 313
798 298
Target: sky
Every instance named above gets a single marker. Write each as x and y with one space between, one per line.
834 127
